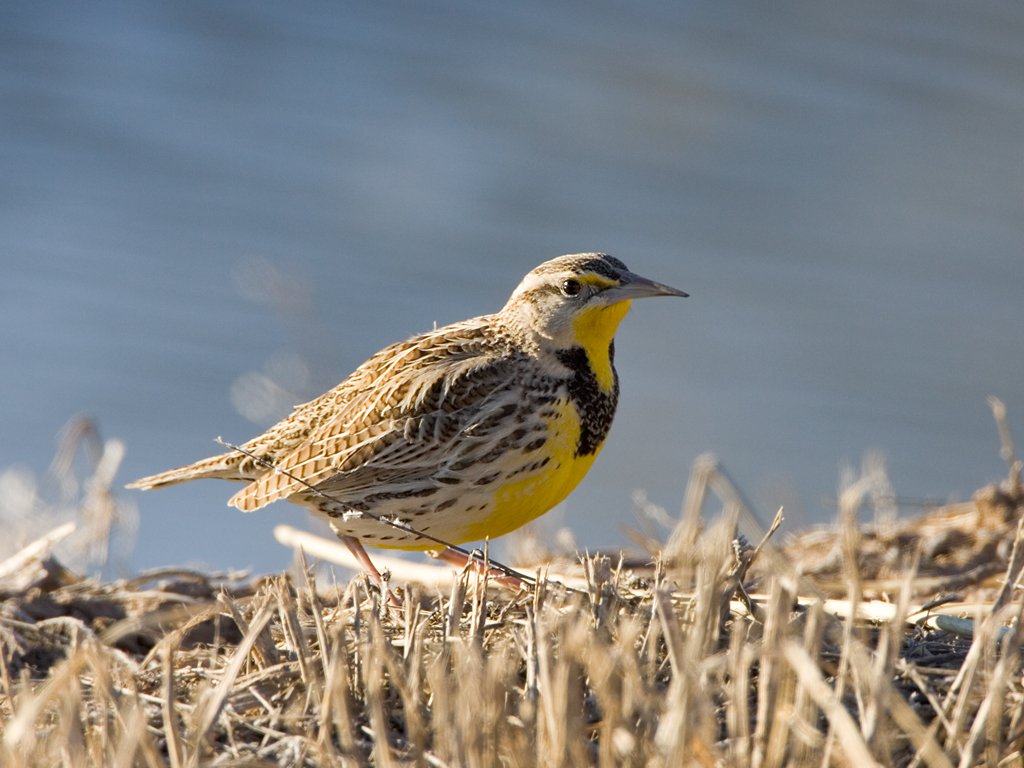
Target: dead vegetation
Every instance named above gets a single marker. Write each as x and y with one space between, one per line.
897 643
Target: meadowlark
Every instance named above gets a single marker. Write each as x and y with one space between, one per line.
462 433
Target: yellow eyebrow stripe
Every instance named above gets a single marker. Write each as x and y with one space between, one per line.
598 281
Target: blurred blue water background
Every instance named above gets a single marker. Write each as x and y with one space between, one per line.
212 210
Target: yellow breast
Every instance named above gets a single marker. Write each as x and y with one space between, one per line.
517 502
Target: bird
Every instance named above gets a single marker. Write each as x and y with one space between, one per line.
462 433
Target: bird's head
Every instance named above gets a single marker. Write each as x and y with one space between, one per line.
579 299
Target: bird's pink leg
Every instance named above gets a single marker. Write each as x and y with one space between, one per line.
359 553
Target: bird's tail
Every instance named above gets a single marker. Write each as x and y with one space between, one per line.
224 467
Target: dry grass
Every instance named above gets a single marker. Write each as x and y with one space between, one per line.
819 651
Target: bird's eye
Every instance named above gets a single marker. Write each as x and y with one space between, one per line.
571 287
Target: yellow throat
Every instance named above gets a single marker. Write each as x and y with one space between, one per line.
594 330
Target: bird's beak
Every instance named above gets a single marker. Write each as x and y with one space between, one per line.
636 287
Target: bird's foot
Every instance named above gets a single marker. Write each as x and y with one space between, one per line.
356 548
462 561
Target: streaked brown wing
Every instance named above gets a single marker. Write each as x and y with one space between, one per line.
397 426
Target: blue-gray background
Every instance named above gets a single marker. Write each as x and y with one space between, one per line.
209 210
